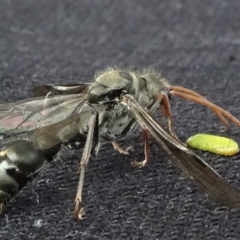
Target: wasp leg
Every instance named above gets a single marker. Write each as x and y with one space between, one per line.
79 211
146 152
121 150
167 112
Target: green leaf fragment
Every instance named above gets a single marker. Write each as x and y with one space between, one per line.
215 144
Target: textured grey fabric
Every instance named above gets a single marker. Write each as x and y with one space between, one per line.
192 43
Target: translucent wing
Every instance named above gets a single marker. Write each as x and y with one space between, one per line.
71 128
29 114
194 166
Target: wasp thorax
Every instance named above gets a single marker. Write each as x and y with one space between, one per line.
109 86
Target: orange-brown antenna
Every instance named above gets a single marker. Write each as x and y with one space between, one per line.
195 97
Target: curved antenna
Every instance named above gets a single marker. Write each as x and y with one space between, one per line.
195 97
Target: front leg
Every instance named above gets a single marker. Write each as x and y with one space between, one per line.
79 212
146 152
167 112
121 150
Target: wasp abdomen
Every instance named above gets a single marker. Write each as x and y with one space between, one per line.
19 162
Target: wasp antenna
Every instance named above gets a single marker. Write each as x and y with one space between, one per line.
222 119
220 112
186 90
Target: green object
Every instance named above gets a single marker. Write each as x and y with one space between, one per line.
215 144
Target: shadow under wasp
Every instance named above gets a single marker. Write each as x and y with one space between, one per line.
110 108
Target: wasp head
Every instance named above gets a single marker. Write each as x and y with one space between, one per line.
109 86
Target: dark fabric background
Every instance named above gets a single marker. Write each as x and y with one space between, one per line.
193 43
